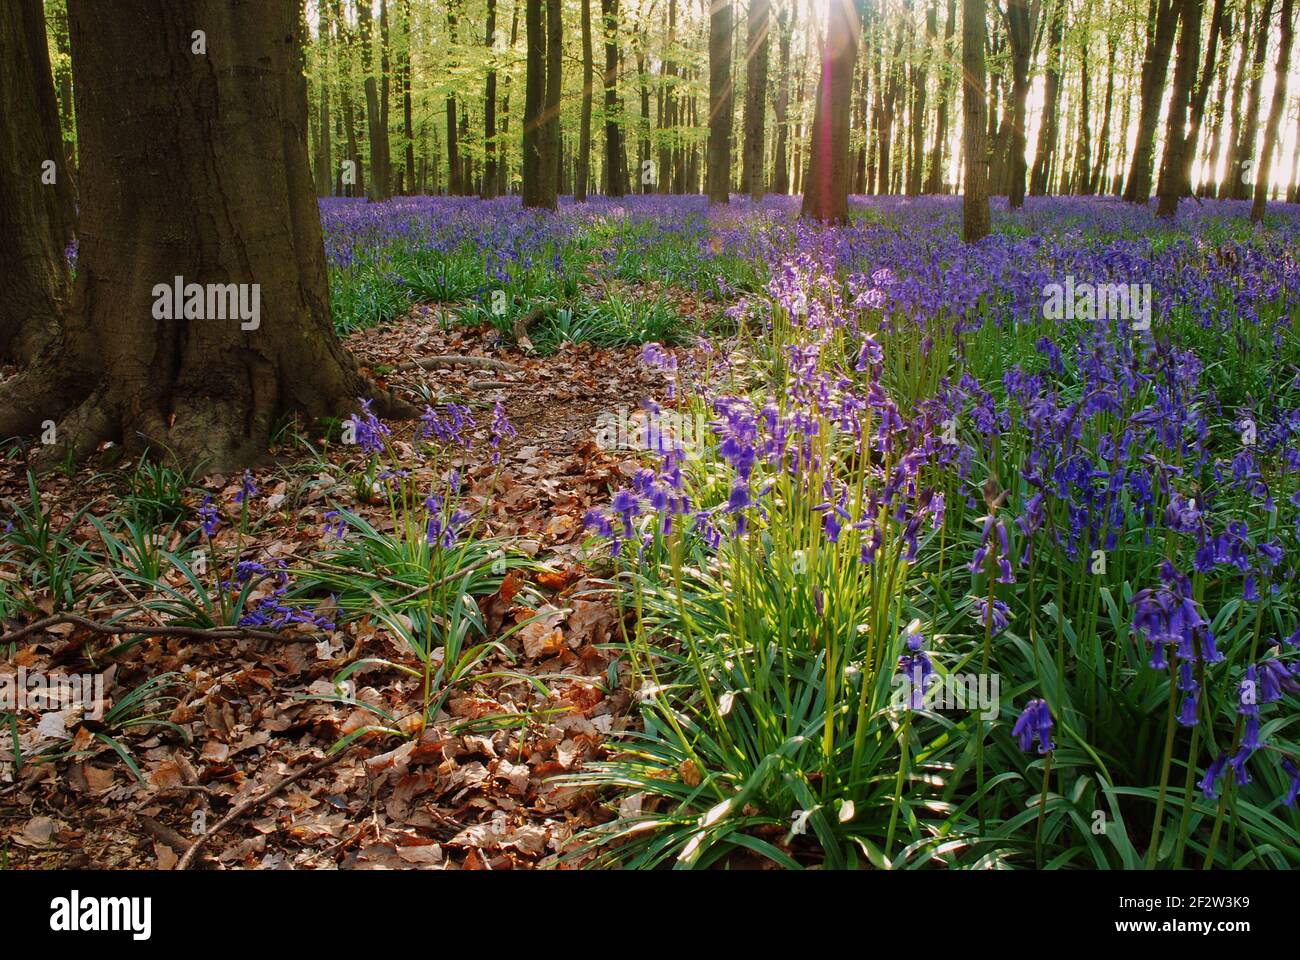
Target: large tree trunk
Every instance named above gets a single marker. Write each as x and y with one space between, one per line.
1263 179
1175 170
615 171
975 195
826 184
36 212
757 27
584 127
1097 182
233 205
1155 67
718 162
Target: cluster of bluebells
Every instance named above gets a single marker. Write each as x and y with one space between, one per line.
1034 724
272 612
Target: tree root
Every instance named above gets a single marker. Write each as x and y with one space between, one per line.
455 360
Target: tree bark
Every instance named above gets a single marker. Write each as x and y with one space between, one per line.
1155 67
826 183
758 23
1265 173
584 128
36 213
489 187
975 195
718 162
1244 172
1021 19
1175 170
232 206
1045 152
615 171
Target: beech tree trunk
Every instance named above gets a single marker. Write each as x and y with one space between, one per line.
550 172
534 104
1155 66
1021 19
233 206
1175 170
757 27
718 161
781 105
489 188
615 171
1264 176
36 211
826 183
975 195
584 129
1245 174
1045 152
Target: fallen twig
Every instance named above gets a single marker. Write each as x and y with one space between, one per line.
245 805
126 629
456 360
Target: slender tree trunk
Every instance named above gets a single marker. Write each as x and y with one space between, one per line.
1045 152
826 185
324 154
1098 180
455 186
975 198
550 172
588 85
615 171
1155 67
534 103
489 186
1246 172
1176 169
935 184
758 23
1263 181
1020 32
781 107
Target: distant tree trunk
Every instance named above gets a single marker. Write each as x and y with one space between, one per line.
1097 181
408 129
1176 169
935 183
615 171
644 177
324 154
376 127
1020 32
1155 67
718 162
36 213
1083 157
826 184
584 130
668 130
1233 126
1246 172
1045 152
534 103
781 105
349 114
489 186
455 186
503 153
1265 174
233 207
975 198
550 171
757 28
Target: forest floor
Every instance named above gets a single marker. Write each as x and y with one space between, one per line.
474 790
